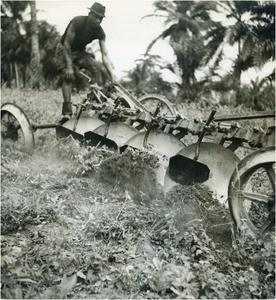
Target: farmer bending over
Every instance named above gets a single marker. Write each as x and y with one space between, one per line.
81 31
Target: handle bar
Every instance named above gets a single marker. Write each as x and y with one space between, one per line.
123 91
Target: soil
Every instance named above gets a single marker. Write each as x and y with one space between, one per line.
194 205
83 224
128 175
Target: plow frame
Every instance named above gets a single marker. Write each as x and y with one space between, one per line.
124 112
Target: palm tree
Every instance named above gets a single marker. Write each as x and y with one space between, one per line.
35 65
48 38
146 77
199 42
263 18
253 33
188 22
13 50
18 39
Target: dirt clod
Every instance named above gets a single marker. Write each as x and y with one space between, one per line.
194 205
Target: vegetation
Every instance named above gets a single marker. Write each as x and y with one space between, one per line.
21 63
14 52
196 37
81 223
35 66
198 41
146 77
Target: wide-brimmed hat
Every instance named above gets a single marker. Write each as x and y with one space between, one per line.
98 9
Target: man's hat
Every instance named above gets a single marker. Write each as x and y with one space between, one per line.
98 9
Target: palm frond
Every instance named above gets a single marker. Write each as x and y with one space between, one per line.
152 43
153 15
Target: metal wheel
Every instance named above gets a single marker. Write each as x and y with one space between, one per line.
252 192
151 101
16 130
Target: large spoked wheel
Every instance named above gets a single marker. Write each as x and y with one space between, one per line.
151 101
16 130
252 193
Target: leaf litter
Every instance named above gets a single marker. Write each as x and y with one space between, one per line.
80 222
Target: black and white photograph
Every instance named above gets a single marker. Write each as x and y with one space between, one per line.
138 149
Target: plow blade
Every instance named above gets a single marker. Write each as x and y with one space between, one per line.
78 129
159 141
213 168
62 132
84 124
156 141
118 132
95 140
97 133
112 135
184 170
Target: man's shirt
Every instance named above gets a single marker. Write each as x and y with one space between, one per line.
86 31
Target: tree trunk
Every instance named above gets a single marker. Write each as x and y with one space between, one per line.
16 75
11 67
35 66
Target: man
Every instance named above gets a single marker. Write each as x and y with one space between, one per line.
81 31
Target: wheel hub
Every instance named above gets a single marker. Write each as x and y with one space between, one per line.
11 133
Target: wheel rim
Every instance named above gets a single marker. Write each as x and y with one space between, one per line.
151 101
253 198
256 200
16 131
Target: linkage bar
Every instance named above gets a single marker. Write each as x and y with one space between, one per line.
36 126
257 115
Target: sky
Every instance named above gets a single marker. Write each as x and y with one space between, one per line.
127 34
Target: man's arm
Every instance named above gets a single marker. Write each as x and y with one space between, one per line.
106 60
70 35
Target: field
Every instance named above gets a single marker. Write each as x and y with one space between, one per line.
82 223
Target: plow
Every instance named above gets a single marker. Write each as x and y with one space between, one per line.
114 118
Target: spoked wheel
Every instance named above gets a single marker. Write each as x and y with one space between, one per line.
252 193
151 101
16 130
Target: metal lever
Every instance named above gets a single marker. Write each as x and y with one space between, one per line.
149 127
201 136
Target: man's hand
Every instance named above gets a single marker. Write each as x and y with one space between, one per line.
69 74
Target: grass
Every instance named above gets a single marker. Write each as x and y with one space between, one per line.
85 223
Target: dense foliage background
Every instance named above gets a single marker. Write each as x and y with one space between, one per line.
91 223
199 43
80 222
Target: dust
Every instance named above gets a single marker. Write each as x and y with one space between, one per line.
68 178
133 172
195 206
